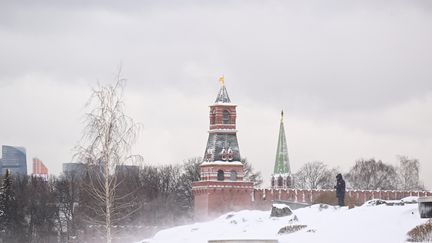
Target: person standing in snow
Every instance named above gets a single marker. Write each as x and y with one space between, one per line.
340 190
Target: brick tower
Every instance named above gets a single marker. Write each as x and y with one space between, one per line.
221 188
281 177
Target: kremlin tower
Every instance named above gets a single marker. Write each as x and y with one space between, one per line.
221 188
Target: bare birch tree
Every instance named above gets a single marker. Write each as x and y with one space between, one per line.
409 171
372 175
314 175
106 143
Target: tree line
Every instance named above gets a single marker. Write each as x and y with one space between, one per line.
64 209
365 174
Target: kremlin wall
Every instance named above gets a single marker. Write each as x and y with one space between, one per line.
262 198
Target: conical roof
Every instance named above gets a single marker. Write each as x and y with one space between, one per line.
282 160
222 96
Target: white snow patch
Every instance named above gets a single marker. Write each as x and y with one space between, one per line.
324 223
411 199
280 205
219 162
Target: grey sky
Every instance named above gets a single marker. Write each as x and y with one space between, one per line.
354 77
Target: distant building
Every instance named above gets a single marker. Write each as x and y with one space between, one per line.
128 170
13 159
74 169
39 169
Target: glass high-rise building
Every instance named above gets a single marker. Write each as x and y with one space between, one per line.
13 159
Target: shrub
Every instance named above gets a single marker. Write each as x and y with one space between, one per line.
329 197
291 229
421 233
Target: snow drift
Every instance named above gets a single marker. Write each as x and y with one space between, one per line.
373 222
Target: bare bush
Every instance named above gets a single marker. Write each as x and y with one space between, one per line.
291 229
421 233
329 197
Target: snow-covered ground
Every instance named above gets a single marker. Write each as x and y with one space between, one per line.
368 223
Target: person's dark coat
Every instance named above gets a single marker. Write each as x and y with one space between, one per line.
340 186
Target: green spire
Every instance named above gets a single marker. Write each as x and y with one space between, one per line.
282 161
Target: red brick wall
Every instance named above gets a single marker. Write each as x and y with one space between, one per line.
263 197
213 198
200 202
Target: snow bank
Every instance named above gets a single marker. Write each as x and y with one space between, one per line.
410 199
324 223
405 200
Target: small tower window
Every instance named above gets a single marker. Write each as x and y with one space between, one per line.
212 117
233 175
272 181
226 117
220 175
280 181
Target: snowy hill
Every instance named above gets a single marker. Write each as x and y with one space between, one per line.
317 223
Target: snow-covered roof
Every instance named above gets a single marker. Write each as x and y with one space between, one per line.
223 131
222 96
219 162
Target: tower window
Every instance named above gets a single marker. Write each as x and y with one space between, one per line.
233 175
226 117
212 117
280 181
220 175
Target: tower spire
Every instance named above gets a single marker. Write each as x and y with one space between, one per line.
281 177
222 144
282 161
222 96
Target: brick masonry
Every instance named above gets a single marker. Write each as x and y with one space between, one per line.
263 198
213 198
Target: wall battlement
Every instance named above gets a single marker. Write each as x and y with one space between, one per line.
263 198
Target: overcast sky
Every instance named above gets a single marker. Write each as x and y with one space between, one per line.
353 77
